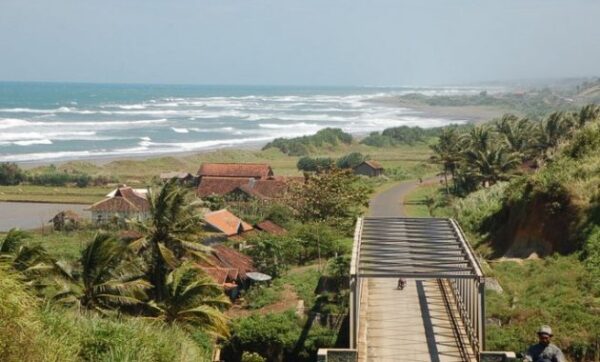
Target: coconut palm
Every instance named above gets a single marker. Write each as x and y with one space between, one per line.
447 152
587 114
192 300
170 234
107 279
20 256
516 133
492 164
551 131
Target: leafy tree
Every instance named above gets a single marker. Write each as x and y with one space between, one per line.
192 300
11 174
350 160
272 254
339 266
335 198
316 240
170 234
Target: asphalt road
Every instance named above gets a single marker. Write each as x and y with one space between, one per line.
389 202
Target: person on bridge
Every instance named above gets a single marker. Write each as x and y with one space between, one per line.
401 284
544 351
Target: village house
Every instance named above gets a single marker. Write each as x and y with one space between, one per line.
121 204
258 171
228 268
241 181
369 168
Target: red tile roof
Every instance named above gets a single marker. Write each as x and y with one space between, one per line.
270 227
226 222
245 170
125 199
225 264
263 189
219 185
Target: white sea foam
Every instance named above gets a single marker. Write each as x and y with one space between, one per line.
180 130
33 142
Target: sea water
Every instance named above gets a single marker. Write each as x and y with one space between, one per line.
48 122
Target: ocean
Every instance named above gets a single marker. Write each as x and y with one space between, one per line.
50 122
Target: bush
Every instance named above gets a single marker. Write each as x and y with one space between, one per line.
259 296
11 174
273 254
350 160
302 146
309 164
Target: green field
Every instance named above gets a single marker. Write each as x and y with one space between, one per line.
64 194
407 162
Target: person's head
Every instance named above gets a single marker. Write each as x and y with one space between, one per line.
544 334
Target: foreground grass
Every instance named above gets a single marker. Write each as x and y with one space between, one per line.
554 291
31 332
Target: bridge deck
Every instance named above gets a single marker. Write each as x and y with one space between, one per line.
406 325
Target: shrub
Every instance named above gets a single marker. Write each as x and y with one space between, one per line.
11 174
310 164
301 146
350 160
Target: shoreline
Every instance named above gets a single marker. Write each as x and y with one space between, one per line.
475 114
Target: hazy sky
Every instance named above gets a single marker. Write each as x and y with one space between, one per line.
301 42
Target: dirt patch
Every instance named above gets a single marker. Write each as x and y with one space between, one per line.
289 300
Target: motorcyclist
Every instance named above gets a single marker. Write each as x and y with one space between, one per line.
401 283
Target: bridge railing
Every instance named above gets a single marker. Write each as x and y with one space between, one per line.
356 284
469 295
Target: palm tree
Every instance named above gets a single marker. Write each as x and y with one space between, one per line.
551 131
587 114
107 279
516 133
447 152
170 234
19 256
492 164
192 300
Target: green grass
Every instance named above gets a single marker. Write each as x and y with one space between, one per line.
62 194
304 280
554 291
63 245
261 296
415 202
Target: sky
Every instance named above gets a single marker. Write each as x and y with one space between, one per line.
298 42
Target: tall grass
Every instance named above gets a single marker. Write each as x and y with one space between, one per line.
31 333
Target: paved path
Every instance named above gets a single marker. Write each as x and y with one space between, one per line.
403 325
31 215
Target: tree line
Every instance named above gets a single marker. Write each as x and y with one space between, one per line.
488 153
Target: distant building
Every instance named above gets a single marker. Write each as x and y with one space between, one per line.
242 189
66 220
185 178
256 171
369 168
227 223
120 204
